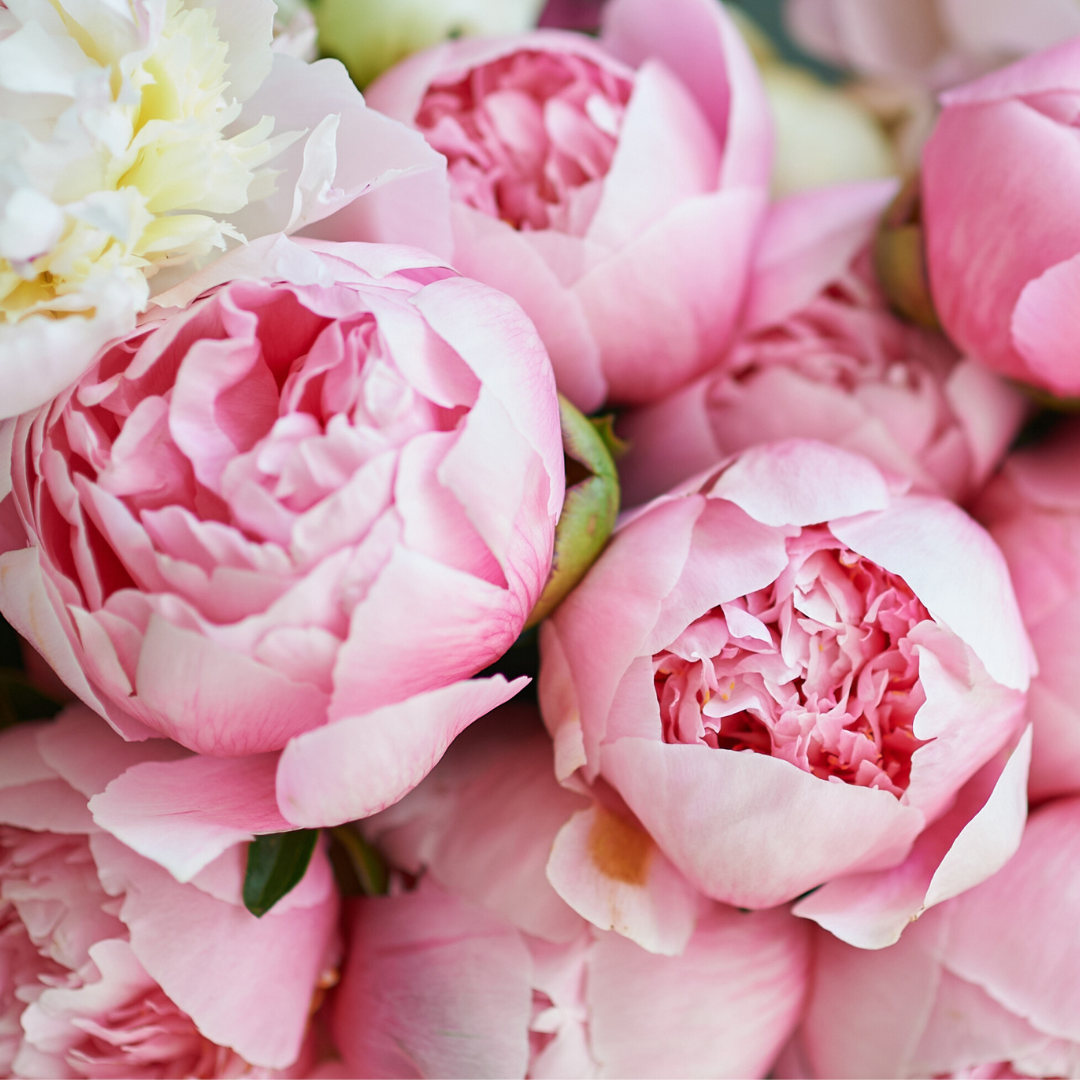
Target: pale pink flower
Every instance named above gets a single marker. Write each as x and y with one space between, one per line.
795 676
821 356
111 967
614 189
296 516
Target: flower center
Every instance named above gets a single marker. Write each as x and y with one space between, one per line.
529 137
817 669
138 169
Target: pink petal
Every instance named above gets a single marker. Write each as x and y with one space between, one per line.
1045 324
809 240
1006 933
611 873
784 830
184 814
448 623
483 823
801 482
978 835
360 764
956 570
87 754
490 250
214 959
654 340
433 987
736 992
698 41
666 153
617 604
217 701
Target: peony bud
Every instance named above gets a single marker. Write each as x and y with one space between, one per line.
370 36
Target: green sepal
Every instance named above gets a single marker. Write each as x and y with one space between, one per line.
359 868
899 254
276 864
590 506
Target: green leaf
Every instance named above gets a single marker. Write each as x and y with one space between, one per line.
275 866
590 506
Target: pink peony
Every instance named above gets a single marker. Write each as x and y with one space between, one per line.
793 675
821 357
1002 234
984 986
296 516
485 971
109 966
613 189
1032 509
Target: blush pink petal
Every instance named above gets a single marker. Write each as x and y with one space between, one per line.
461 610
666 153
1052 69
217 701
654 340
976 286
970 842
30 600
1044 326
214 959
957 571
32 794
736 993
993 943
88 754
801 482
360 764
360 152
784 830
633 581
808 240
490 250
184 814
699 42
494 326
731 554
483 823
433 987
639 894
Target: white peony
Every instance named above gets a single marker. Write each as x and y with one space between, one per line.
138 140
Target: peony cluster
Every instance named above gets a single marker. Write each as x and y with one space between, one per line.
563 564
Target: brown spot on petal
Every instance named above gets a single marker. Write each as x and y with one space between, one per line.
620 850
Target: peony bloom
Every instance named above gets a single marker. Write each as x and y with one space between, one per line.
1003 153
794 676
821 357
1032 509
297 515
614 190
984 986
143 140
486 949
111 967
